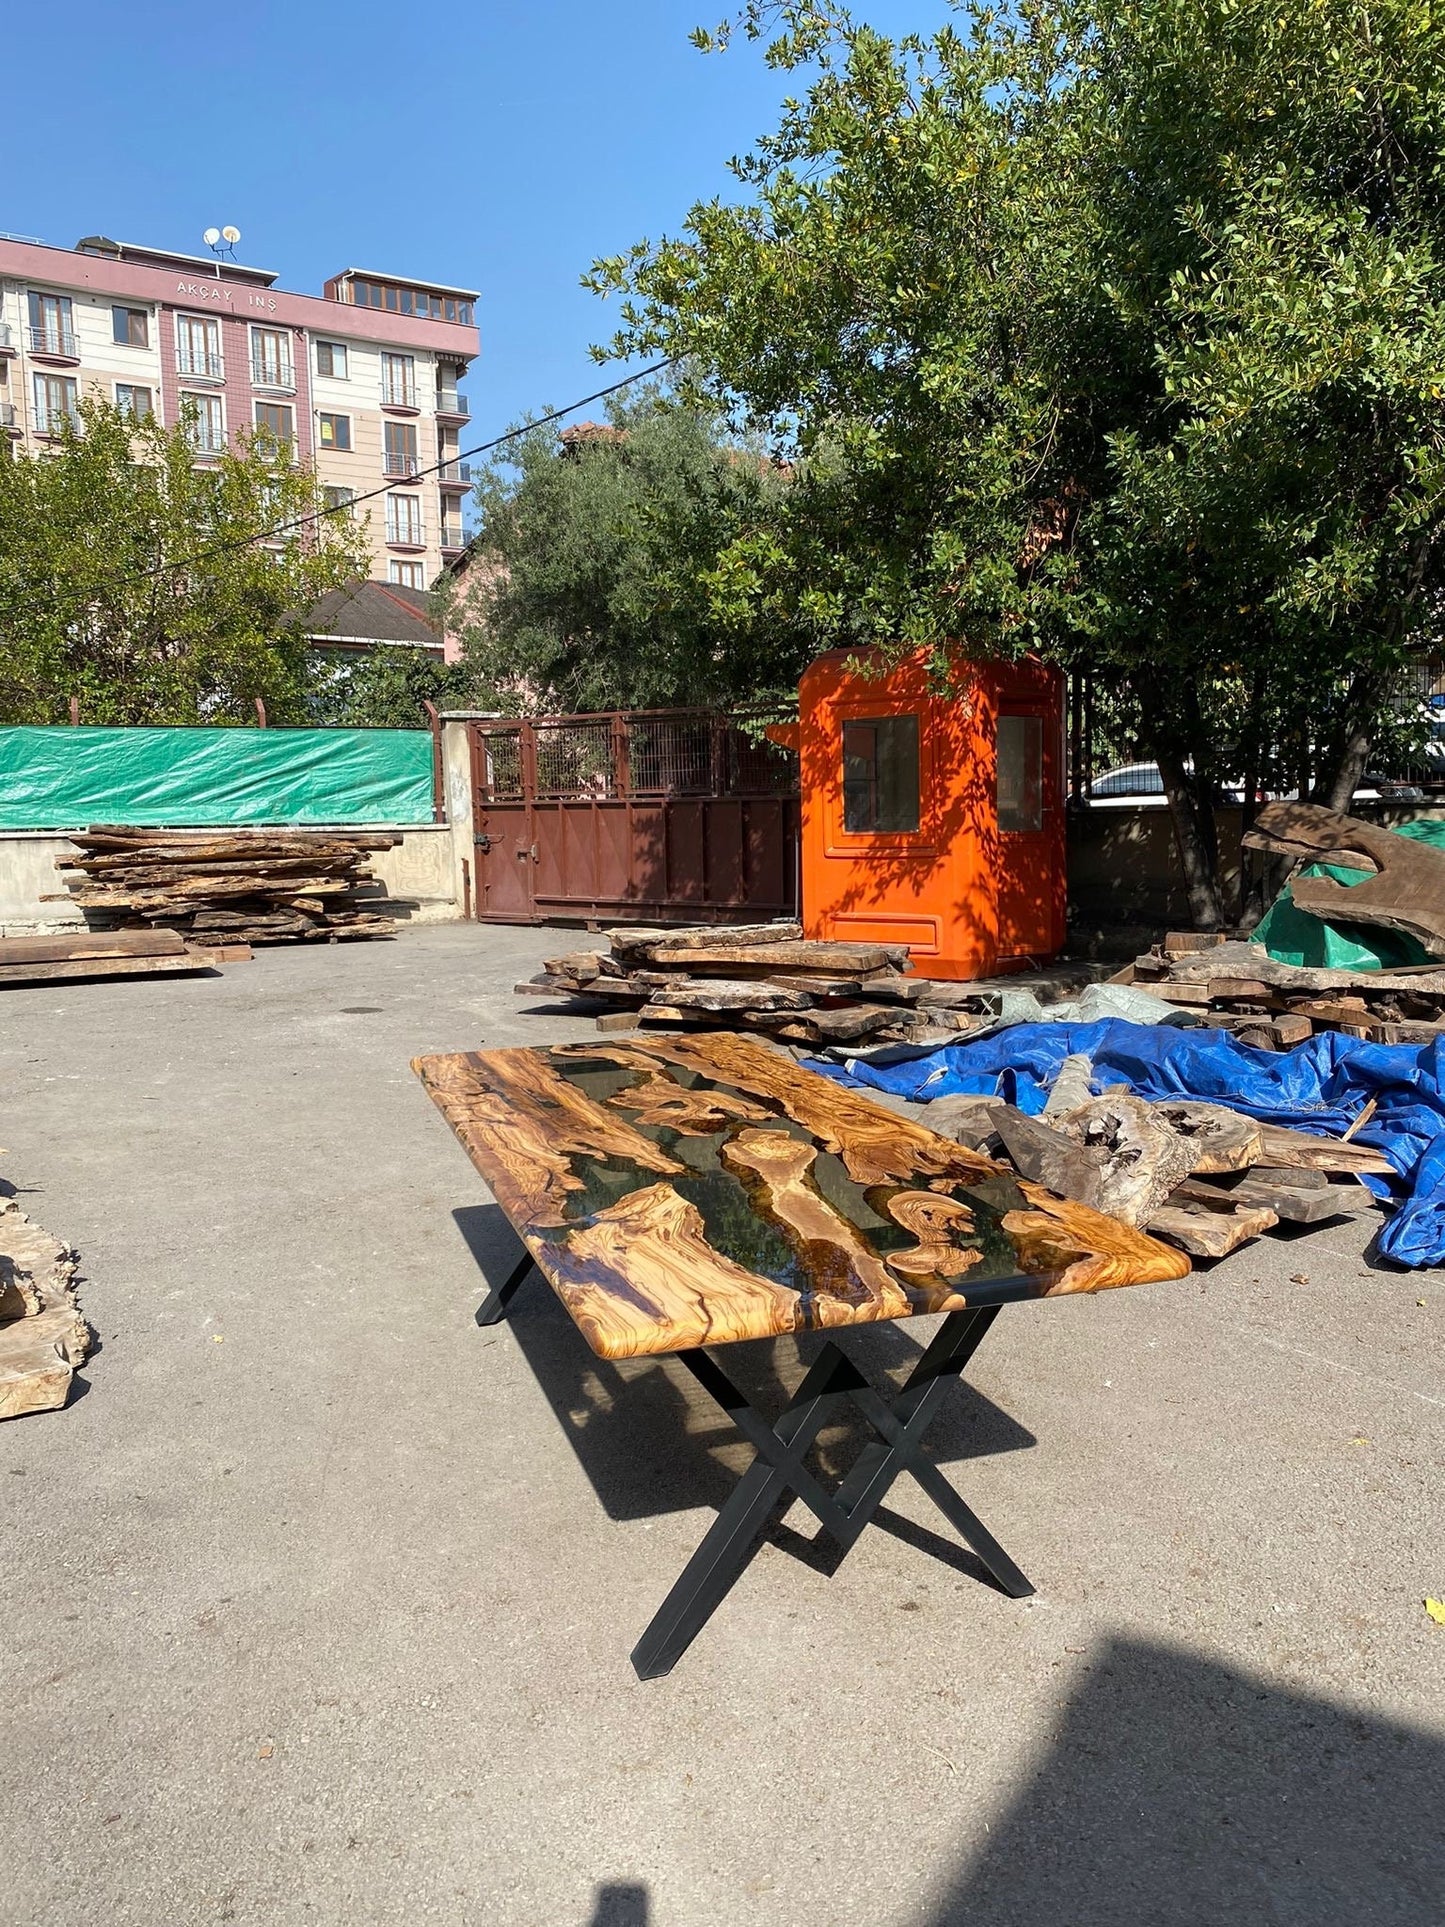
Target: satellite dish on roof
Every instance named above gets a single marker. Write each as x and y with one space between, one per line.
231 234
211 236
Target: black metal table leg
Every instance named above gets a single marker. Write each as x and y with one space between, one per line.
779 1471
493 1308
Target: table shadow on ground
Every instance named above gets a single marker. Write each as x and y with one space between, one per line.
651 1442
1179 1792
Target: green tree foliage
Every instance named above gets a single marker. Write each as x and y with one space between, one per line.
1114 330
590 583
381 688
137 580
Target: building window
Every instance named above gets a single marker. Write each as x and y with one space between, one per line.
331 359
407 575
1021 773
416 301
335 431
398 380
52 330
880 774
400 456
131 400
198 346
337 498
277 419
205 423
55 404
271 359
131 327
403 521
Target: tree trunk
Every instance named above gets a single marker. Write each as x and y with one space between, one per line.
1198 851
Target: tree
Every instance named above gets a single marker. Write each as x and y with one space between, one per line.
381 688
149 587
1111 330
589 586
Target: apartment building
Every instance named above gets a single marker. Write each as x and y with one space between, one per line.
361 381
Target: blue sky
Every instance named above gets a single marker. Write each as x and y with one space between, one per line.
499 146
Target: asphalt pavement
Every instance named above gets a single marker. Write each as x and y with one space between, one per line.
317 1599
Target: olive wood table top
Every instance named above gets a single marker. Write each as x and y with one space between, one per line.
699 1188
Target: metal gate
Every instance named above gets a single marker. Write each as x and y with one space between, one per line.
674 815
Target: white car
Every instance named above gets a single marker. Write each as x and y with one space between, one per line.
1140 786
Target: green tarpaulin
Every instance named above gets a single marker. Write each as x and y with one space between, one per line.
1295 937
68 779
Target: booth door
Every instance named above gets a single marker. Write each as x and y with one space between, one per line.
1031 830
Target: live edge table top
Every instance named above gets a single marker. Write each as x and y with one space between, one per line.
696 1189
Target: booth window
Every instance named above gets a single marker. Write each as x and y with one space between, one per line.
1020 773
880 774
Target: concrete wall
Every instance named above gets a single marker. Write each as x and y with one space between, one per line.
421 872
1124 869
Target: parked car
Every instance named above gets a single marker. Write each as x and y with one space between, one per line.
1140 786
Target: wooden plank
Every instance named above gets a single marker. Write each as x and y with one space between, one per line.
616 1020
718 994
1280 1146
835 958
1178 942
69 946
1406 892
633 941
1297 1204
1205 1233
17 976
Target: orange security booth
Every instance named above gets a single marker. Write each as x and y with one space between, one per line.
933 810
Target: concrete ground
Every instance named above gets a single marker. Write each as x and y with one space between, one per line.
316 1603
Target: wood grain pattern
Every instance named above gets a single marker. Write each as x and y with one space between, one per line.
876 1146
934 1221
844 1271
772 1222
523 1124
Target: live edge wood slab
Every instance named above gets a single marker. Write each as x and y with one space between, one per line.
688 1191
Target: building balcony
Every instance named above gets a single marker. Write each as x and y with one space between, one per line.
455 475
7 339
399 465
279 375
399 394
408 535
196 365
8 423
54 344
452 541
451 401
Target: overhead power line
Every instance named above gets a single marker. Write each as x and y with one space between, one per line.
346 508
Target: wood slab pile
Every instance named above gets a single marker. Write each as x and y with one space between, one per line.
42 1334
120 953
237 886
1241 988
1197 1175
756 977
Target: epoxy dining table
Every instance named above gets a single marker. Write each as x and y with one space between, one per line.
688 1191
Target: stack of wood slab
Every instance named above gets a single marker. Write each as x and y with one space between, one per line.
1197 1175
239 886
756 977
1241 988
42 1334
120 953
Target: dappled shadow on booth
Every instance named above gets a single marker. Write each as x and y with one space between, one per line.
651 1443
1178 1792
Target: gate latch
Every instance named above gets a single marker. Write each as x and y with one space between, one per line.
483 842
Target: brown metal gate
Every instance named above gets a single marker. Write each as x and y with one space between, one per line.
673 815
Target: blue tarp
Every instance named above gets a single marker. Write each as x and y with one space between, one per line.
1321 1085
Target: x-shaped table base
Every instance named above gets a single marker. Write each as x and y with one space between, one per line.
780 1471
